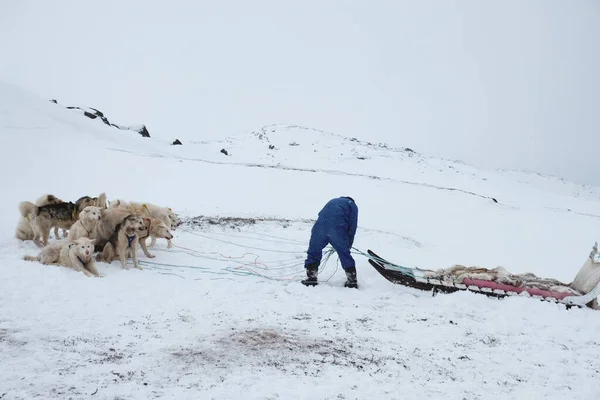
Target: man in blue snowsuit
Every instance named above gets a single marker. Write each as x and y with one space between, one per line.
336 225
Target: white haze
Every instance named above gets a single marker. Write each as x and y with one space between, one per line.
510 84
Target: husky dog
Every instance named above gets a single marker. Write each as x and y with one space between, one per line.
24 230
165 214
47 199
76 255
123 242
118 204
156 229
61 215
109 220
88 218
100 201
175 221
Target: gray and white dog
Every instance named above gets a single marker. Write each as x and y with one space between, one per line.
24 231
62 215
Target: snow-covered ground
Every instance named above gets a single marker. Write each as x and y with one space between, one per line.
222 315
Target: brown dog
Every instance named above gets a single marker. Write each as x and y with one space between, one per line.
123 242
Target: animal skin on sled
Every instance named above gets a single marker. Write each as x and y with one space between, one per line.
584 290
458 273
586 279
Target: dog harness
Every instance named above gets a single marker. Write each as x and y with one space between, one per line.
129 240
83 226
141 209
81 261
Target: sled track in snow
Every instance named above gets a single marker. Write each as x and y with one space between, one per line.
323 171
205 222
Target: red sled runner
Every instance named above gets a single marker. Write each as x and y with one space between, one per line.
427 281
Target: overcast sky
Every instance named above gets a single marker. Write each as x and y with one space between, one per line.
503 84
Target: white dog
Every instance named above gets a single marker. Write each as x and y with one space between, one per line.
155 228
76 255
88 218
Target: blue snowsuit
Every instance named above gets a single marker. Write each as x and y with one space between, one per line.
336 225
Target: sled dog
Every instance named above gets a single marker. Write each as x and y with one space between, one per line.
24 230
156 229
76 255
44 218
88 218
123 242
165 214
105 228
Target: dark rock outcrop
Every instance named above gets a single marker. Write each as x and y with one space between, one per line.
93 113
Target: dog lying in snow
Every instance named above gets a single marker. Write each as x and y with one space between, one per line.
165 214
123 241
76 255
24 230
88 218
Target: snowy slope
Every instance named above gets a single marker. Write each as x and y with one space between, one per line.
221 315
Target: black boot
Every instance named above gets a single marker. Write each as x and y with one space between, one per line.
311 272
351 278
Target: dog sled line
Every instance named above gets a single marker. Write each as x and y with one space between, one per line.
583 291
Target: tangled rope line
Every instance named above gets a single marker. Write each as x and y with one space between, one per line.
256 268
292 268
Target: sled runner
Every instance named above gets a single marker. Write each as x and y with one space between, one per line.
423 280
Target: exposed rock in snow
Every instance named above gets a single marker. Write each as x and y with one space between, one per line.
93 113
